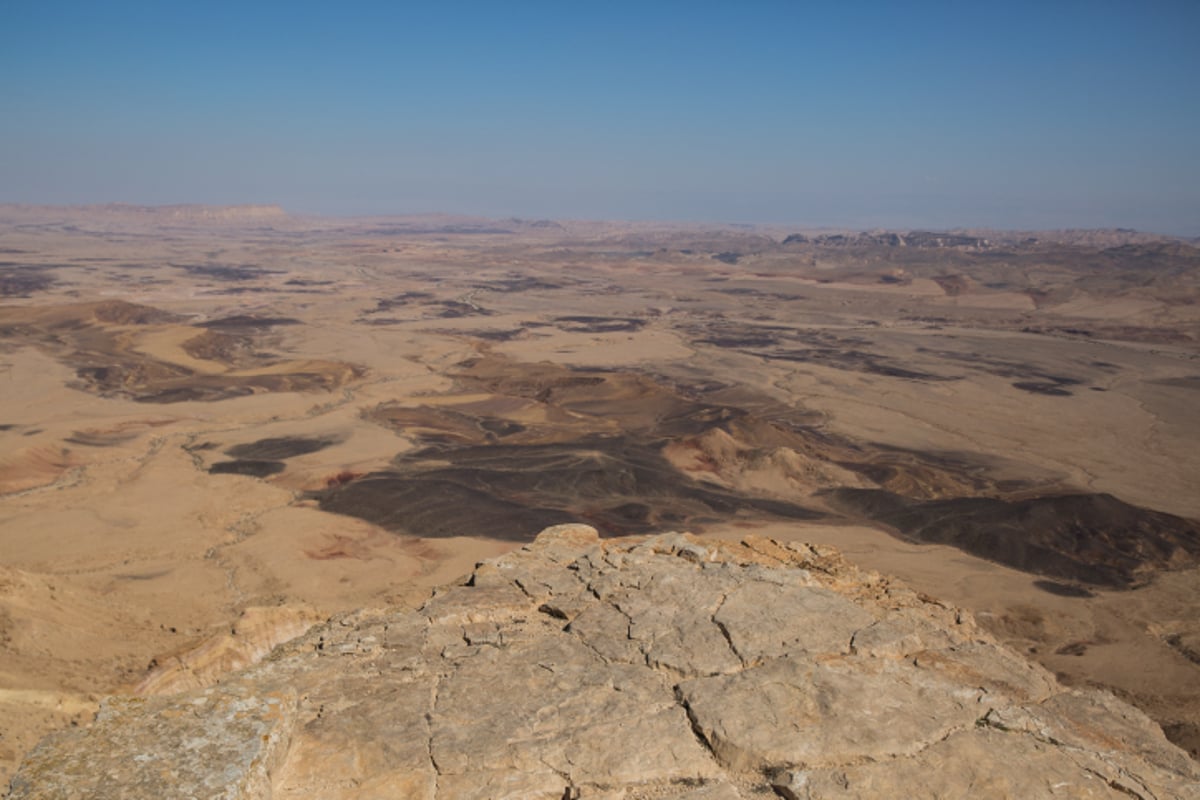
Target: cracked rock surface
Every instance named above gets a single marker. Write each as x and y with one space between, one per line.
666 668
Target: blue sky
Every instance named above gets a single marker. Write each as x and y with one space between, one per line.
861 114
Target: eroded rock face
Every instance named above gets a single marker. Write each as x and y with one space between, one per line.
576 668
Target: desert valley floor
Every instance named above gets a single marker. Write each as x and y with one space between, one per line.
220 425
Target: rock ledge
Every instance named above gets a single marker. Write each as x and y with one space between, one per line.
666 668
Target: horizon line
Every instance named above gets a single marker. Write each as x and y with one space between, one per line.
120 205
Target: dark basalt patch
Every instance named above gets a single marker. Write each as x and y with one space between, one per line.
253 468
740 342
781 343
501 427
580 323
1188 647
1027 377
186 394
1049 389
1184 382
236 290
120 312
445 426
432 508
112 378
517 284
244 322
399 301
1185 735
215 345
143 576
510 491
1064 589
225 272
110 371
1090 538
24 281
497 336
430 307
453 309
853 361
573 464
210 388
279 448
599 452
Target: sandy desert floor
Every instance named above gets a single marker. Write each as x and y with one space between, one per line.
216 429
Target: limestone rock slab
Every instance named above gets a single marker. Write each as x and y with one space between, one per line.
554 707
796 711
767 620
627 670
977 764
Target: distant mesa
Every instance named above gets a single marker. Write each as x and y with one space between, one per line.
216 213
543 224
188 213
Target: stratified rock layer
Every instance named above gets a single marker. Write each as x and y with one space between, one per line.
576 668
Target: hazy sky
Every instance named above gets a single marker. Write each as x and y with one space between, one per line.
902 114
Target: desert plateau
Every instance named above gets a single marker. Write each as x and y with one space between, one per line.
221 426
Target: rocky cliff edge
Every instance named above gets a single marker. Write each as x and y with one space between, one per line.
665 668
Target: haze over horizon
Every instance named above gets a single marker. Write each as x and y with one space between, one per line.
926 115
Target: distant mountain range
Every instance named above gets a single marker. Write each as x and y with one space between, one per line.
974 239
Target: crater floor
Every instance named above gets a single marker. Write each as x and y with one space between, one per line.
221 424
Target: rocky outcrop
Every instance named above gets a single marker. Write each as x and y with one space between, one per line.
257 632
581 668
